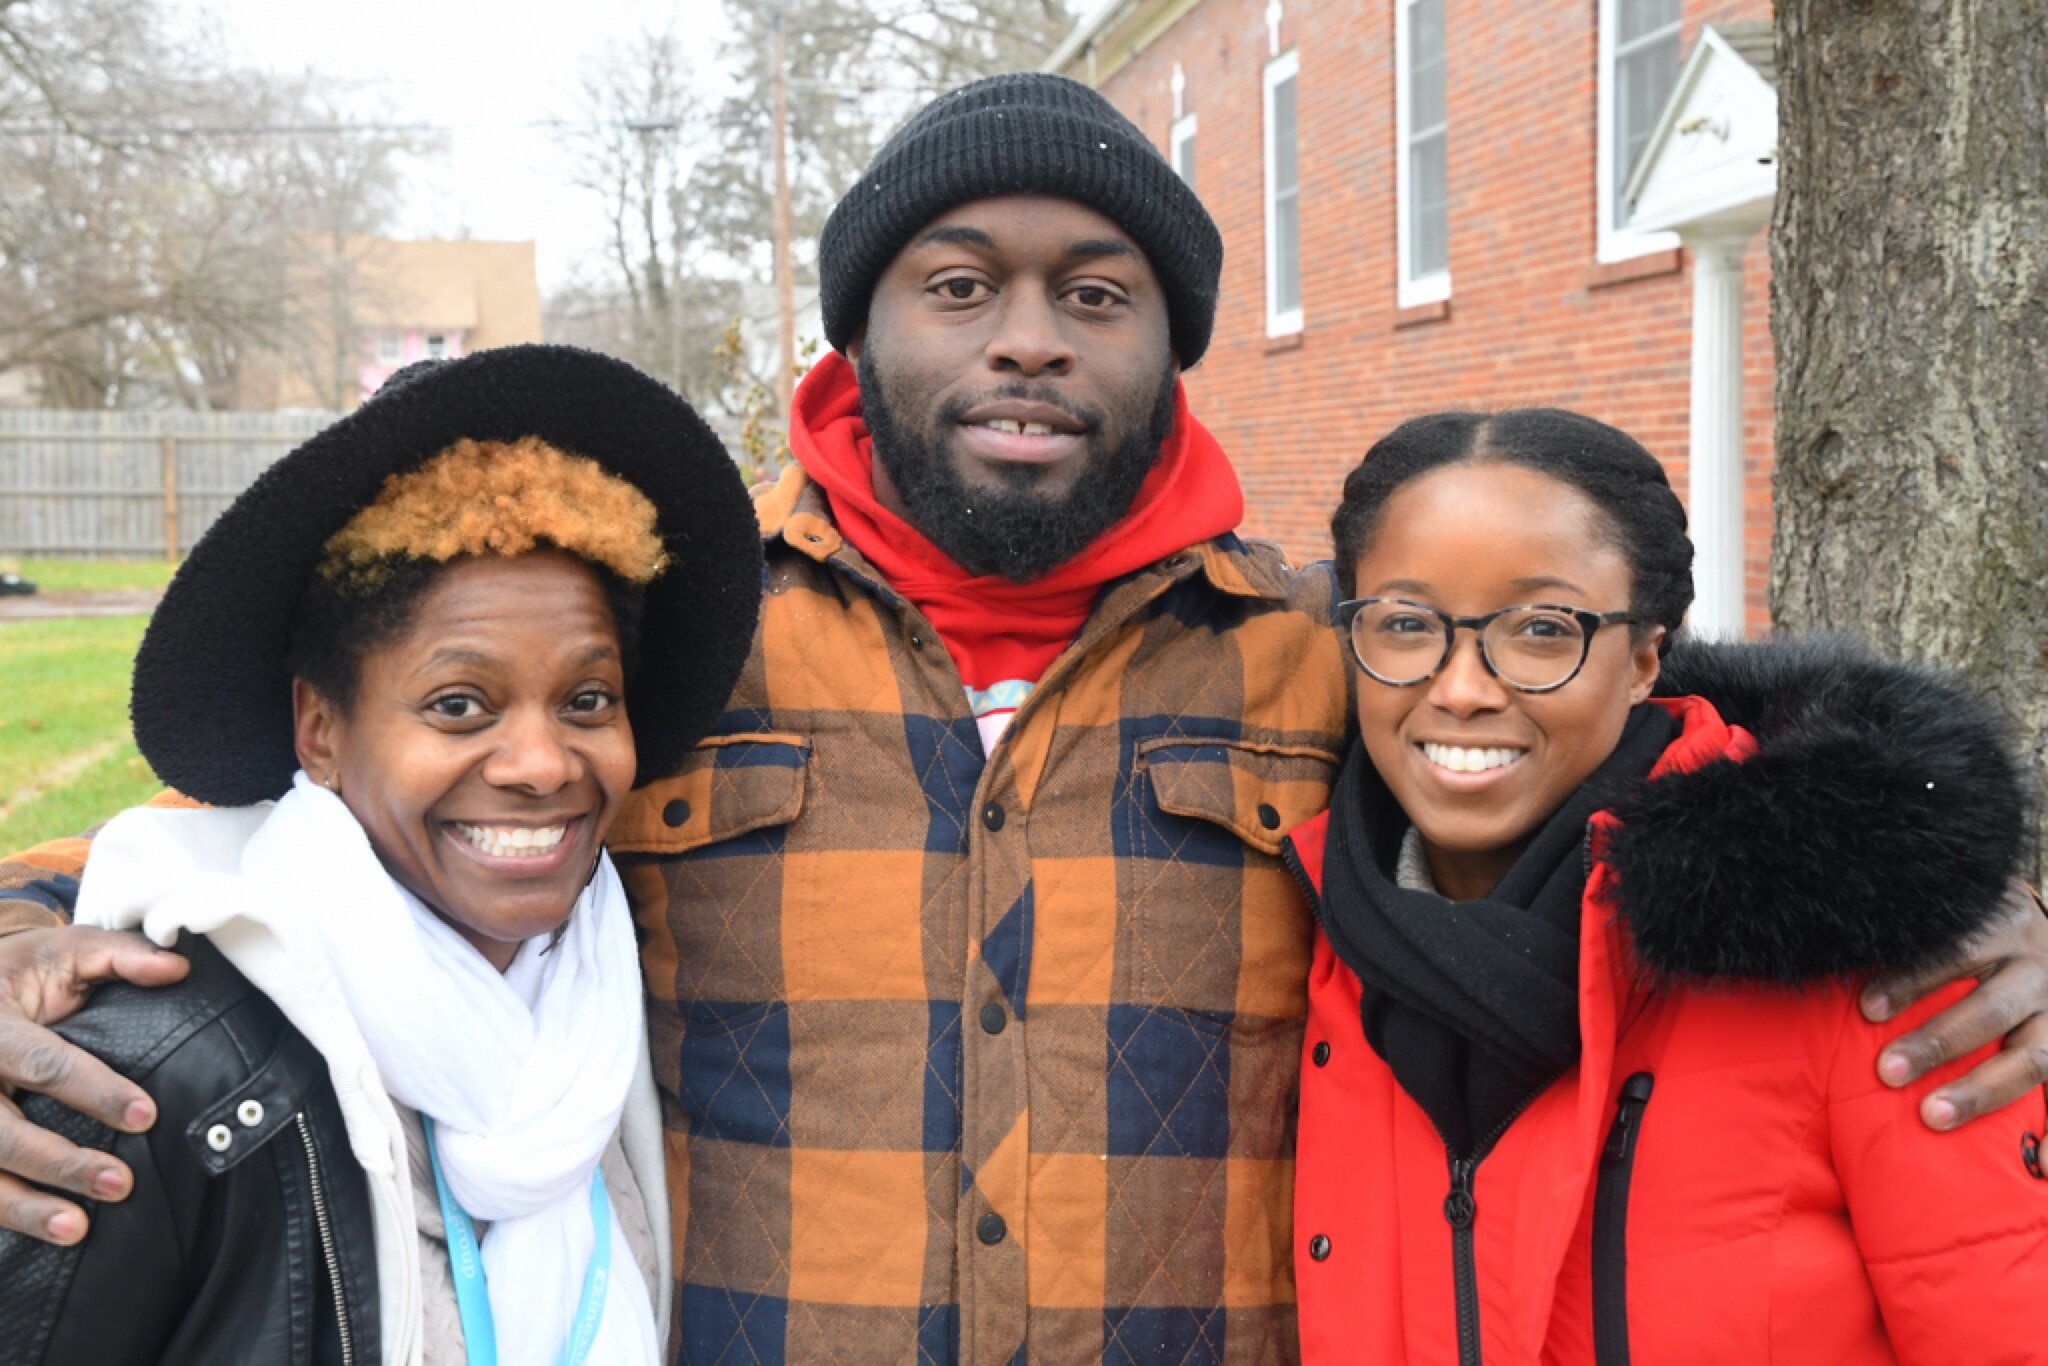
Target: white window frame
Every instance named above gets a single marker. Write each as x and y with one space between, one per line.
1411 289
390 347
1612 243
437 346
1282 322
1182 133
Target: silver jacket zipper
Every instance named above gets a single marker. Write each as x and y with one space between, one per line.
326 1228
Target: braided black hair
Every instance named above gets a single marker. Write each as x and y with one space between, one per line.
1640 514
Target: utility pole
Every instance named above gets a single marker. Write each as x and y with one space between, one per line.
785 275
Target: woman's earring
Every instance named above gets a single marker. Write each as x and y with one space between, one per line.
331 785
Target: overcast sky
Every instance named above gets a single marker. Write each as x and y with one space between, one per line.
484 68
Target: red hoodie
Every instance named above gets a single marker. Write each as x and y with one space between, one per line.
1003 635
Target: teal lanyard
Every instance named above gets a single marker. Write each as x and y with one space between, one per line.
472 1297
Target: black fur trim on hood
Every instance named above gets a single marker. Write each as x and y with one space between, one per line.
1874 830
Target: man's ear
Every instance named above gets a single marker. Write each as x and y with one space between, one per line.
1646 661
316 733
854 343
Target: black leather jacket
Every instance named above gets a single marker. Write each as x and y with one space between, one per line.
248 1238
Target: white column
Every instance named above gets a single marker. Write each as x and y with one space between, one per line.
1714 493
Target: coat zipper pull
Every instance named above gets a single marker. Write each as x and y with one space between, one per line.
1635 1094
1460 1209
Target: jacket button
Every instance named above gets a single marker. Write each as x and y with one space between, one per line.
250 1113
676 814
1321 1054
1268 817
991 1229
993 1018
219 1138
992 816
1319 1248
916 641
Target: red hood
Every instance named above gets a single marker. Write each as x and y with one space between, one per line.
993 628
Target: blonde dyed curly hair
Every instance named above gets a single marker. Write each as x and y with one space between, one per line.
499 498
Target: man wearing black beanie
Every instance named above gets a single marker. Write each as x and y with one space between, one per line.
976 985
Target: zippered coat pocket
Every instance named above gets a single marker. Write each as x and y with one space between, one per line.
1610 1222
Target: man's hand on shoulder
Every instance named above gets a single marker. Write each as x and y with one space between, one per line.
45 976
2010 964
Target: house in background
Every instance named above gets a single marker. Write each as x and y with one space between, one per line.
428 300
1424 205
379 304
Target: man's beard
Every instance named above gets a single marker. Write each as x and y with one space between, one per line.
1012 531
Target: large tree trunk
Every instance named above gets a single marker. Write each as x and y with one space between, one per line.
1909 257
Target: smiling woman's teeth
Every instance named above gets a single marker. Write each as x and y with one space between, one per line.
512 841
1460 760
1002 424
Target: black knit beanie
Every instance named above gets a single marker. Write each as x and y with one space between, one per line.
1023 133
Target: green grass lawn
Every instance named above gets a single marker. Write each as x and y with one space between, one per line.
66 758
100 576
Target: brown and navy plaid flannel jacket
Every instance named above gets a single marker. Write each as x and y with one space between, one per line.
994 1060
987 1061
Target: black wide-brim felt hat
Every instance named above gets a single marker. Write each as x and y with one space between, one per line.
212 698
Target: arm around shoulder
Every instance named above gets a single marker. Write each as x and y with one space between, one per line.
1953 1227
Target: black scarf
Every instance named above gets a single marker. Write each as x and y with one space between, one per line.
1473 1004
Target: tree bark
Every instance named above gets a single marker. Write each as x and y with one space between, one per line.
1909 306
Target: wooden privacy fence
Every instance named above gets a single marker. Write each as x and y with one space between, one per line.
129 485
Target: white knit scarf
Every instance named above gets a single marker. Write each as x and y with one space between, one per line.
524 1098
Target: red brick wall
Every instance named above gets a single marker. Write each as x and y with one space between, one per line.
1532 319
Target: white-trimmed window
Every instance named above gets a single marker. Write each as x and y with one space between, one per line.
1181 143
1422 173
437 346
1283 198
390 346
1639 52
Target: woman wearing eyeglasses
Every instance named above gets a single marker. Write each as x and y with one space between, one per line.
1585 1079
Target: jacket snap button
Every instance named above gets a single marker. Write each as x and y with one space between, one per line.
992 816
250 1113
219 1138
916 641
991 1229
993 1018
1268 817
1321 1054
1319 1248
676 814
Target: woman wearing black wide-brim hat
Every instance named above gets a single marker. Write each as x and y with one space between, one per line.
405 1109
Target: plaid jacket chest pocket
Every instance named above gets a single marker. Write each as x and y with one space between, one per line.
701 852
1212 922
1254 792
728 786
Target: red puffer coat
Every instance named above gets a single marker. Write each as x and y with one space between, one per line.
1721 1178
